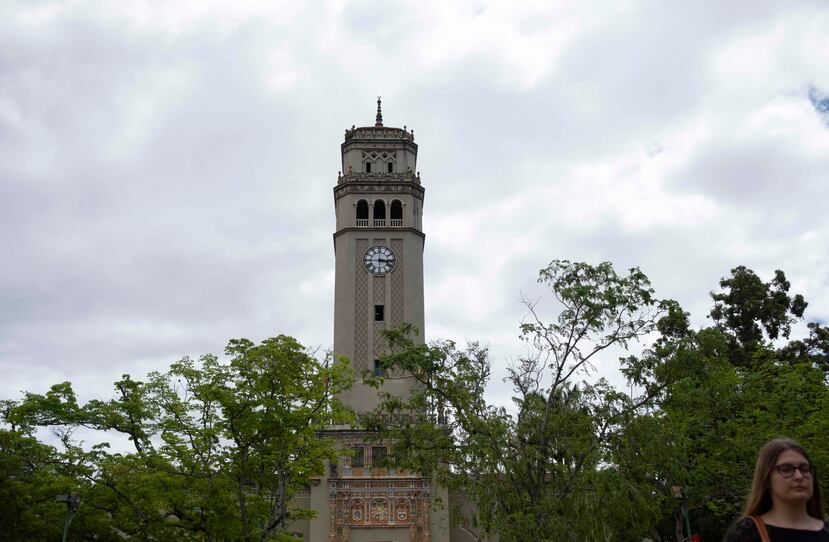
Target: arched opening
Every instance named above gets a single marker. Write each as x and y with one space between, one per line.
379 213
362 213
391 167
396 213
368 167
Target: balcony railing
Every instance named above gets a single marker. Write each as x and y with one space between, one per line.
379 222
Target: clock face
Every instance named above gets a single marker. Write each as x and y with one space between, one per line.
379 260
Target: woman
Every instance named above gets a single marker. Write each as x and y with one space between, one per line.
785 503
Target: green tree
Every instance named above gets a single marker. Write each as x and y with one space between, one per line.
722 392
220 448
747 307
539 472
581 461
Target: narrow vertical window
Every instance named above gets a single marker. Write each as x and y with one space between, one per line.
396 213
379 313
378 455
368 167
362 213
379 213
362 209
391 167
378 368
357 459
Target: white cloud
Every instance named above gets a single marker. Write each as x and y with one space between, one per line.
166 171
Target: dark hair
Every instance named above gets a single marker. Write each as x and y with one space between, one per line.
759 500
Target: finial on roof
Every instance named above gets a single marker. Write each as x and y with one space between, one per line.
379 120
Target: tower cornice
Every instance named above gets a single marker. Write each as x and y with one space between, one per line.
378 230
379 178
375 187
373 133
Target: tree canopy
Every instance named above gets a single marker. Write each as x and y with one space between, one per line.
577 459
219 448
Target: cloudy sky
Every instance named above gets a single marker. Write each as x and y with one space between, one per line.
166 169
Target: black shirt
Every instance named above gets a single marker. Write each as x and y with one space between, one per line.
744 530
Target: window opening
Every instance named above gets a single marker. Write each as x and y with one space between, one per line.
378 455
396 213
368 167
378 313
378 368
362 209
391 167
396 210
379 210
357 460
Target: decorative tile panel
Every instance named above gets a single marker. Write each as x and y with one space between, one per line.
380 503
379 340
397 276
361 309
380 290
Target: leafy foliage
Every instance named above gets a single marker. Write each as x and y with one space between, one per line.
579 460
749 306
725 390
541 472
220 448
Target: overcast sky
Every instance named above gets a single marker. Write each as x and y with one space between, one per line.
166 170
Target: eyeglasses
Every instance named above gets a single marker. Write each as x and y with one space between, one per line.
786 470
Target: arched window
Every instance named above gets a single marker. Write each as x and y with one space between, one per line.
396 213
362 213
379 213
391 167
368 167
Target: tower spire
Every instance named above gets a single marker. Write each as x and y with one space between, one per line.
379 121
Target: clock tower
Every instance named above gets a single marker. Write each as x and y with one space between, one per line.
378 243
378 247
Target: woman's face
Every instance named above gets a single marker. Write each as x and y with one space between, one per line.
798 487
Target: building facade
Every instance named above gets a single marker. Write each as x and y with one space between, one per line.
378 246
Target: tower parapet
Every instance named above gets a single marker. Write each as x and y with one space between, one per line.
373 132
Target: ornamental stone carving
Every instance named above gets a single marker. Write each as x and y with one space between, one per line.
379 177
378 133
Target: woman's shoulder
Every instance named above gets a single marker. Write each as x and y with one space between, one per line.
742 530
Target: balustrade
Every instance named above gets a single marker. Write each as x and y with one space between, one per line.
379 222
